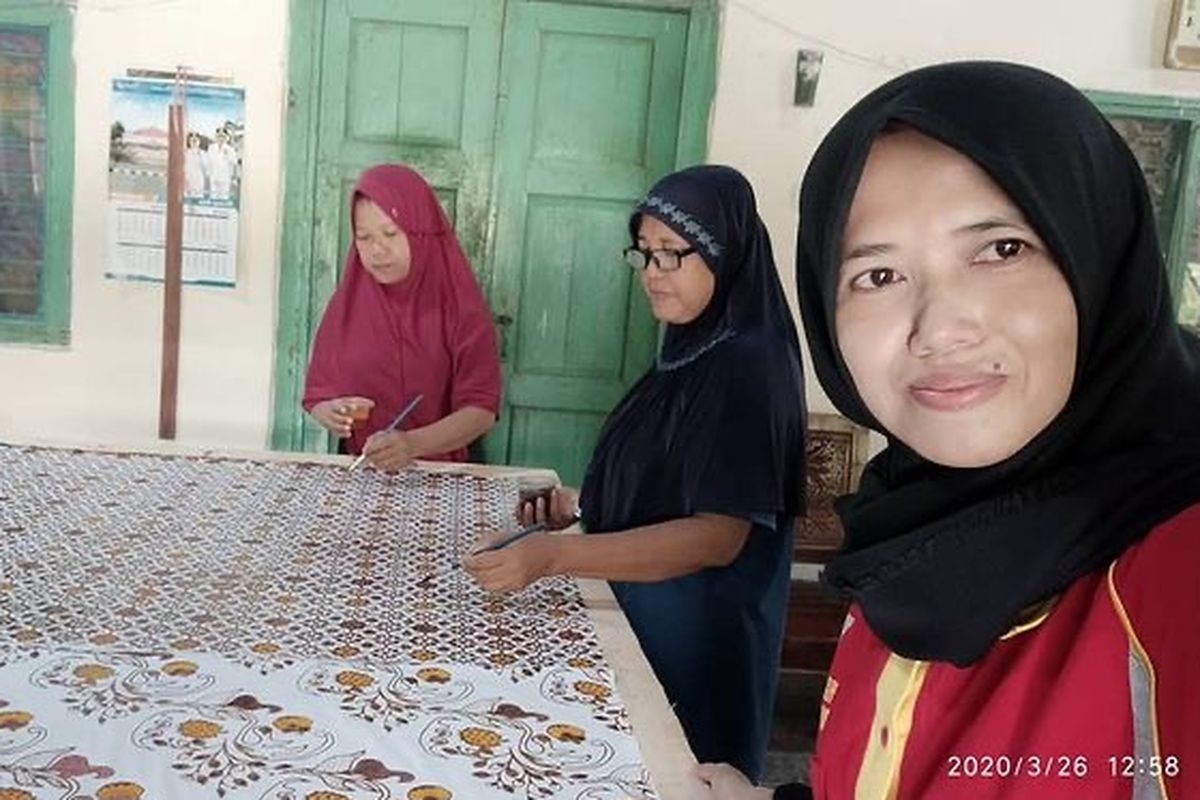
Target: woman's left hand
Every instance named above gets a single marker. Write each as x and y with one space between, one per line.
513 567
389 450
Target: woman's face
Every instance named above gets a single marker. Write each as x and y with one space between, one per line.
679 296
382 246
957 326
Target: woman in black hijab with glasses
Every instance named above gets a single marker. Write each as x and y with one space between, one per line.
698 474
981 282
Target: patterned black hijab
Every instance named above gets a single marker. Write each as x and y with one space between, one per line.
718 424
943 560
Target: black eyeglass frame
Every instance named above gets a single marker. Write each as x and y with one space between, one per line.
640 259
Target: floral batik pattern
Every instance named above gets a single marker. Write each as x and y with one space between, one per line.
218 627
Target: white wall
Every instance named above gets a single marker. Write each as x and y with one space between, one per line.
1096 44
104 386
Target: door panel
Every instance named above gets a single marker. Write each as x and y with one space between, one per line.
589 119
563 438
395 61
577 313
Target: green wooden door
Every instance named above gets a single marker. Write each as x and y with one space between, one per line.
589 118
413 82
537 160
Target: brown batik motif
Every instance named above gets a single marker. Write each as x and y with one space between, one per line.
29 770
233 746
110 685
388 696
334 592
267 563
830 475
516 750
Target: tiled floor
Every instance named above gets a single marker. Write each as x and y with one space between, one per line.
797 707
785 767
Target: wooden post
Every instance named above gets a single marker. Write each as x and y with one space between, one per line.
173 264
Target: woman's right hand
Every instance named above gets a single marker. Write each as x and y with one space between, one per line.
338 415
727 783
558 508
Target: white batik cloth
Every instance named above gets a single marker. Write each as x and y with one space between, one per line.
177 627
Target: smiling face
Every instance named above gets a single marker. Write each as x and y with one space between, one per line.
382 246
957 326
679 296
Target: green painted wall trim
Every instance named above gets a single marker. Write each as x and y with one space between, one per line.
296 251
296 269
52 324
700 84
1158 106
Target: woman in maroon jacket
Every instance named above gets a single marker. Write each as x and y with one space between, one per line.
407 319
981 282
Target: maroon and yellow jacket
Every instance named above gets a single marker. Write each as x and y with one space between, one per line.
1097 696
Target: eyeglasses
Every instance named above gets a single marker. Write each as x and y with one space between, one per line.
668 260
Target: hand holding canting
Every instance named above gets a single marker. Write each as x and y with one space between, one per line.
389 450
513 567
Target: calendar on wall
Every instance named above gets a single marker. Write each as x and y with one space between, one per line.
137 183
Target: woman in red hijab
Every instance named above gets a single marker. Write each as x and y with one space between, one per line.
407 319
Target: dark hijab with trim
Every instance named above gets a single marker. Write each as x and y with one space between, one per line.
718 424
941 560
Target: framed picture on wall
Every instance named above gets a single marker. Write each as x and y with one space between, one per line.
1183 36
837 452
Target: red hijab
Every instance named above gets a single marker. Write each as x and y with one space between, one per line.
429 334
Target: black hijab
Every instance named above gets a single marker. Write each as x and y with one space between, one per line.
942 560
717 425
